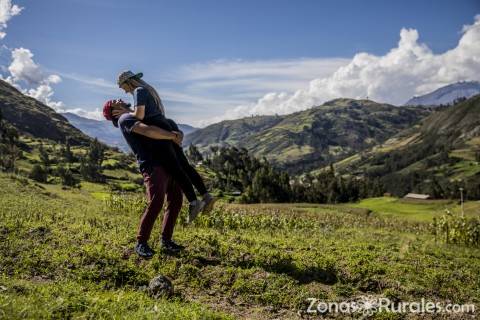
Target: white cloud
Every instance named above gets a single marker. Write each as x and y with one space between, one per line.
92 81
213 87
7 11
43 93
95 114
24 69
303 68
409 69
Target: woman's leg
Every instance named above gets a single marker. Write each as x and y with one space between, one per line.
176 162
192 173
176 171
195 178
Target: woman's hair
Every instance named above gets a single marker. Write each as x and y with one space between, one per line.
136 82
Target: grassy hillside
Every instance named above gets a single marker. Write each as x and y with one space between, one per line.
314 137
68 254
445 146
33 118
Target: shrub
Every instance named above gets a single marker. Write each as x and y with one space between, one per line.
456 229
66 176
38 173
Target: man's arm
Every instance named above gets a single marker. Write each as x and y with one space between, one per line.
154 132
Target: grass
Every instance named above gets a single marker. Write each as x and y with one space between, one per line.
68 254
416 210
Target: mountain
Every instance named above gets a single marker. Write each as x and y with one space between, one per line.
444 146
186 129
106 132
102 130
309 139
33 118
447 94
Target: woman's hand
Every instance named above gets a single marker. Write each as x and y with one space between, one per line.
178 138
118 112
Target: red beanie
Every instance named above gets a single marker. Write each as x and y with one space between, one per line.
107 109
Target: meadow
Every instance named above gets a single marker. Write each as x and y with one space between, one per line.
67 253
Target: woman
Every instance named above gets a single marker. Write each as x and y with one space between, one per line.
149 109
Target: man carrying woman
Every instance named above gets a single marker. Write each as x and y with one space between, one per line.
156 142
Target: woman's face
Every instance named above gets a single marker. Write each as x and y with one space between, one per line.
128 88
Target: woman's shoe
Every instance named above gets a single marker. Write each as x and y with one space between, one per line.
194 208
209 203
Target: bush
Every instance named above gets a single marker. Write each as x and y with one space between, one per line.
66 176
38 173
459 230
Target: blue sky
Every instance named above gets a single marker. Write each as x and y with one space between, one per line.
207 58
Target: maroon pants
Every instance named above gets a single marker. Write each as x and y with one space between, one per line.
158 183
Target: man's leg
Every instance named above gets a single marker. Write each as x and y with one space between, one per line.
156 186
174 205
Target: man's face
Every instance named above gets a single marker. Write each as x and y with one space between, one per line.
119 108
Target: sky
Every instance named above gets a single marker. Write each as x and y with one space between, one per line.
216 60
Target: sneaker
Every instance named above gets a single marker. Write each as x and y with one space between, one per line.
209 203
143 250
194 208
170 246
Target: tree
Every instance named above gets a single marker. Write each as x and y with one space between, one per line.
44 157
38 173
9 151
194 154
66 176
67 153
91 165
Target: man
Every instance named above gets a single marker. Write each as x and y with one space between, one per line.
157 181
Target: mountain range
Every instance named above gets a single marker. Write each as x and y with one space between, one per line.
406 147
315 137
447 94
443 146
104 130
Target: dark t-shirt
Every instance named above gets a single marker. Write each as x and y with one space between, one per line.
147 151
142 97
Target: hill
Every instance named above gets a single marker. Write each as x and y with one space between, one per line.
447 94
105 132
312 138
33 118
445 146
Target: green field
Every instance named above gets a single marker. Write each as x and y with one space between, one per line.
67 253
418 210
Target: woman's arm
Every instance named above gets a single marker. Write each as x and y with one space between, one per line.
139 112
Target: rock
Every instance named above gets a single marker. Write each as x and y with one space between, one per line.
160 286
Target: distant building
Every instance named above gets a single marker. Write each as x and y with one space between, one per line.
417 196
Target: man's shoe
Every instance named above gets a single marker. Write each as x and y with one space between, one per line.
194 208
170 246
209 203
143 250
